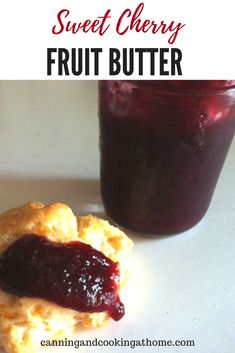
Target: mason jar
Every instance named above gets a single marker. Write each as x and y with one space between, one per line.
162 146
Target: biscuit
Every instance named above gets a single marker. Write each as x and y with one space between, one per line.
24 322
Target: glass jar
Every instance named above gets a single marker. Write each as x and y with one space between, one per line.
162 146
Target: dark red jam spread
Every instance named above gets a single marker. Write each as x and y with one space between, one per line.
73 275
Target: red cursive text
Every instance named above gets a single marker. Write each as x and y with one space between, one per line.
98 25
136 23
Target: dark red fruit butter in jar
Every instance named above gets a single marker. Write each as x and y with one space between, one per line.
163 145
73 275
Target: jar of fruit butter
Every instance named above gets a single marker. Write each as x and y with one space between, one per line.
163 145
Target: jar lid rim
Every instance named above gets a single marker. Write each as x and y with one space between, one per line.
201 85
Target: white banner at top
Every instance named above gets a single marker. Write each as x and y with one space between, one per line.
129 39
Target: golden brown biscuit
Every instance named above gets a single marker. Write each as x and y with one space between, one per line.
57 222
24 322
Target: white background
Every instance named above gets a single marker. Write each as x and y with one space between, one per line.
181 287
207 40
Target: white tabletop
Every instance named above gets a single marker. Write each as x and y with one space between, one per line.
182 287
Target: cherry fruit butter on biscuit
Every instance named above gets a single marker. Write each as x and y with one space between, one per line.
73 275
67 269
